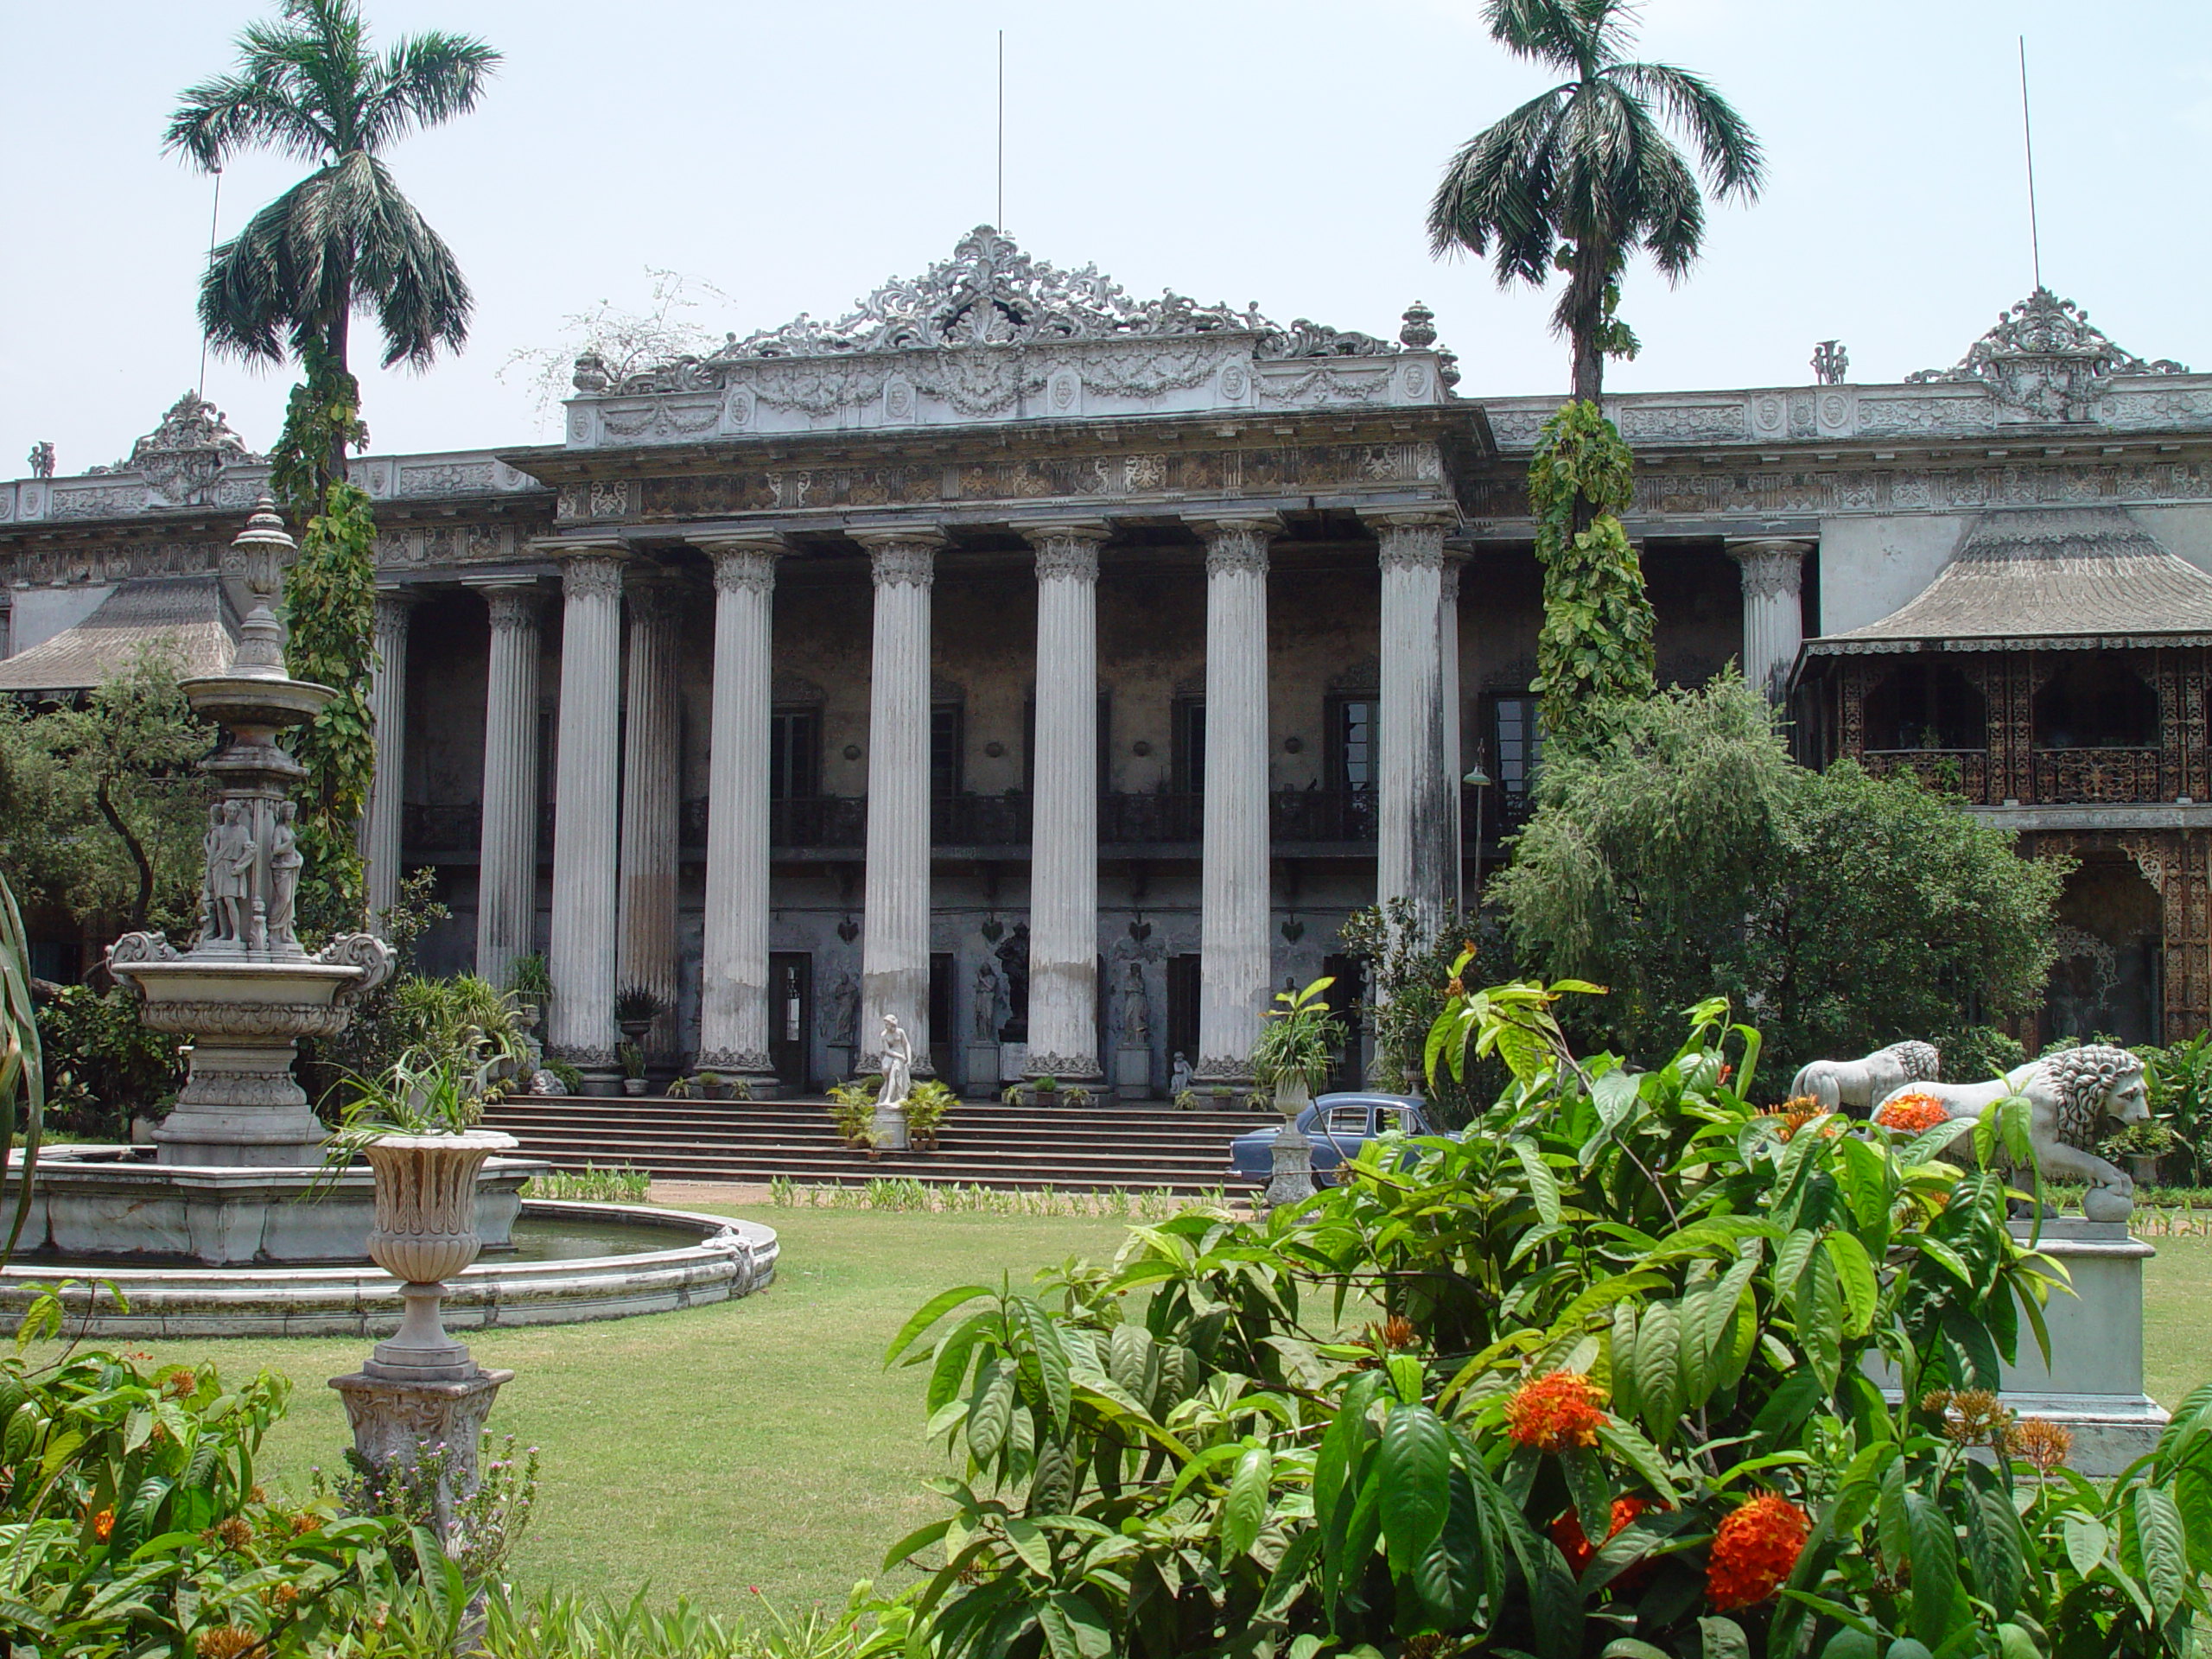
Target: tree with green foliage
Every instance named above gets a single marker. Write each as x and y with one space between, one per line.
1686 854
103 805
1593 650
344 239
1583 176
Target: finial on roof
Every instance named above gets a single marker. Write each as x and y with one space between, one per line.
1420 328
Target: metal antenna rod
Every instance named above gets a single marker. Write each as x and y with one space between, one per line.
214 215
1002 207
2028 138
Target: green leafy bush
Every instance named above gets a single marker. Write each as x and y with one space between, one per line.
1616 1399
104 1065
2180 1082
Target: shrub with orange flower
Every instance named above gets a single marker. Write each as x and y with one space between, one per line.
104 1525
1556 1412
2044 1445
1753 1552
1568 1533
1913 1114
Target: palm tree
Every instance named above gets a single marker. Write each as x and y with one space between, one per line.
344 238
1583 176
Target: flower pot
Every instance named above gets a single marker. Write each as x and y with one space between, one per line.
1292 1096
720 1089
635 1030
634 1085
425 1232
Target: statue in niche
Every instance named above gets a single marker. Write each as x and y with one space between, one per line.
285 861
840 1013
898 1063
210 919
230 874
988 988
1013 961
1178 1080
1136 1008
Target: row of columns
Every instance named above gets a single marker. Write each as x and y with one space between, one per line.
615 824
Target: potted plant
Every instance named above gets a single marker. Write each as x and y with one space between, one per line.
1298 1040
2138 1147
636 1008
852 1107
713 1085
633 1066
530 983
418 1128
687 1088
927 1102
1044 1091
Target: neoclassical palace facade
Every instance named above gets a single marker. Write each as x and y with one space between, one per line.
1056 670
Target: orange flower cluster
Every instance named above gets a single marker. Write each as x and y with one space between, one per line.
1753 1552
226 1642
1794 1114
104 1525
1913 1114
1556 1412
2041 1444
1567 1533
180 1383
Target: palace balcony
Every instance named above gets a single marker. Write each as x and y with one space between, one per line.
2096 776
1962 772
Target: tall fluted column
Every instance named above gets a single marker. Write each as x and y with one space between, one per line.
1414 814
1235 966
1455 751
895 948
506 866
380 824
1774 619
582 1029
734 966
651 788
1064 838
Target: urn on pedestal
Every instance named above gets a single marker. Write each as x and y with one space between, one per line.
1298 1040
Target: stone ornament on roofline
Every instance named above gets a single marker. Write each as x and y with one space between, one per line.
988 293
187 453
2045 359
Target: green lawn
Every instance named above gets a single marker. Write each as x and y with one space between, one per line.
760 1442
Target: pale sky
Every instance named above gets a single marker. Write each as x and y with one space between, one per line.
795 156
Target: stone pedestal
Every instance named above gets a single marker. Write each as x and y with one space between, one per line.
1291 1177
2094 1384
983 1071
393 1421
1133 1073
890 1126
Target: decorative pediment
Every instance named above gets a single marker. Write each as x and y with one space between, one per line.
990 293
2045 361
183 456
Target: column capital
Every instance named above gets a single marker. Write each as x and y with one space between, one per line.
902 557
655 593
1066 550
1237 541
512 601
1454 563
594 571
398 596
743 564
1770 567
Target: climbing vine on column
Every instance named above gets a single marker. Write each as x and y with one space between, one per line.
1595 645
330 617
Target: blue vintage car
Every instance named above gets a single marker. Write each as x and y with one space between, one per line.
1340 1126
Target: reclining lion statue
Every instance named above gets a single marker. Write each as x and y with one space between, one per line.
2070 1094
1856 1085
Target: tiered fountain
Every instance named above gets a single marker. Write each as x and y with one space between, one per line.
237 1176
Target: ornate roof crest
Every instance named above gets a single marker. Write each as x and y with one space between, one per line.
187 453
990 293
2043 359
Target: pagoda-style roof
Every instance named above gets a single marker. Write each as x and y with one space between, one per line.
188 614
2043 578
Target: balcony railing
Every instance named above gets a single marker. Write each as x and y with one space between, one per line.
1966 771
2089 776
1153 819
1307 815
980 820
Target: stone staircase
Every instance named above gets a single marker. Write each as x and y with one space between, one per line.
985 1144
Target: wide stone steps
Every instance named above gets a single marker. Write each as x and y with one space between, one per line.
987 1145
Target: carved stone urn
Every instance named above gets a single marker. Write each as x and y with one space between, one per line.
425 1233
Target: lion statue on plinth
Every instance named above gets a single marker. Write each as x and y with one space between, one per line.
2070 1094
1857 1086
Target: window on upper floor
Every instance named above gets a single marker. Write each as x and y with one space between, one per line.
794 755
948 750
1190 746
1353 758
1924 705
2095 700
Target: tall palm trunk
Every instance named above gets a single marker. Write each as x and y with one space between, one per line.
1585 308
335 338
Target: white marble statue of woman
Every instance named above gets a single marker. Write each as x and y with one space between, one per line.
986 1002
898 1063
1136 1011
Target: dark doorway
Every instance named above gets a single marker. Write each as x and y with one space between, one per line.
1344 998
2097 702
942 1030
791 1017
1183 1008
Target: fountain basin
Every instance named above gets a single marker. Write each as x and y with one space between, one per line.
103 1208
688 1260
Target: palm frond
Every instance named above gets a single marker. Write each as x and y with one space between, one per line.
1670 222
1499 188
1729 151
424 81
1548 31
421 300
233 112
